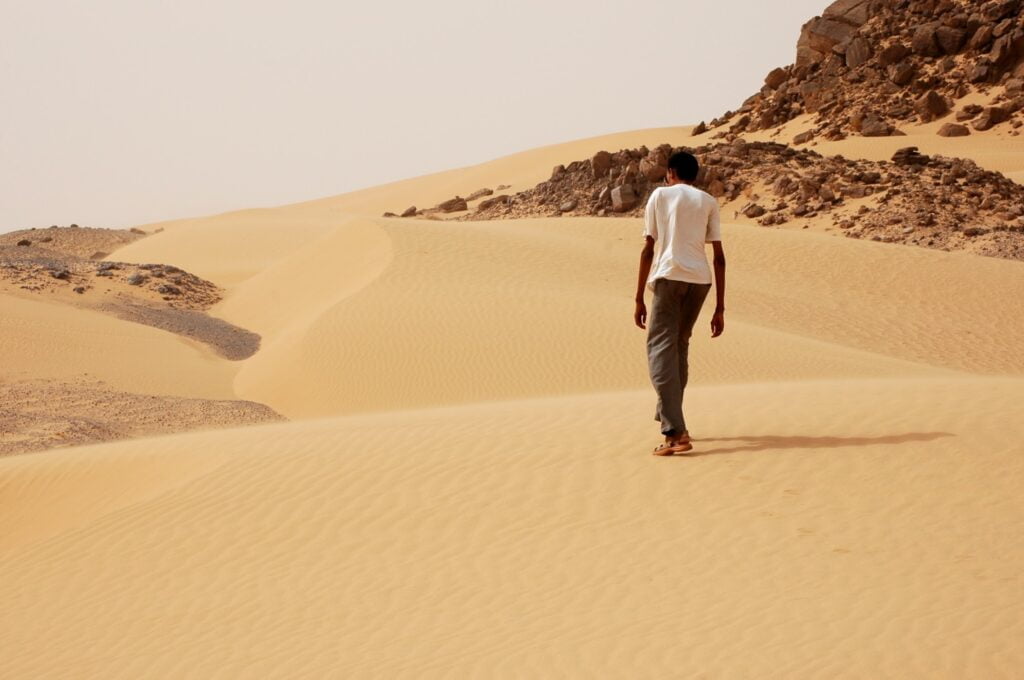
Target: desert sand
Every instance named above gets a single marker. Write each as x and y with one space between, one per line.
464 488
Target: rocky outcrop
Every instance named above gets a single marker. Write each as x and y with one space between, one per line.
879 58
929 201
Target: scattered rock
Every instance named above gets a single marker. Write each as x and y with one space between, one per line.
753 210
858 52
954 130
456 204
950 38
480 193
902 73
80 289
623 198
24 242
804 137
913 189
491 202
775 78
568 206
137 279
925 42
893 54
990 116
931 105
875 127
601 163
409 212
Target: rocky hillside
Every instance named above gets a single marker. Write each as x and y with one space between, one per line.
867 66
935 202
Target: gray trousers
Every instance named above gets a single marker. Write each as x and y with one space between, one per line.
674 311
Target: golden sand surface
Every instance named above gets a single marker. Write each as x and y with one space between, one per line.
465 488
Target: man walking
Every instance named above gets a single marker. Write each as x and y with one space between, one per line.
681 219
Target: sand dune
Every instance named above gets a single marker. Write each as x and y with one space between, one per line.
52 340
831 529
475 496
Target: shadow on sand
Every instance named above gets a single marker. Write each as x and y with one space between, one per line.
771 442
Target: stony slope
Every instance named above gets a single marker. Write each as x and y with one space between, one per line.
865 67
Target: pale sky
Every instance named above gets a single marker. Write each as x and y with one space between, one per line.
117 113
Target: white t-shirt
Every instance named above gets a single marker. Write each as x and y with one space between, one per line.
681 219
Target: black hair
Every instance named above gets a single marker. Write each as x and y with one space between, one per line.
685 166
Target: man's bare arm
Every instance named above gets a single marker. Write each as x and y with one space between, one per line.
646 260
718 320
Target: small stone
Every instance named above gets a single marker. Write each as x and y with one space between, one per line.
62 274
79 289
858 52
568 206
950 39
925 42
137 279
804 137
874 127
753 210
623 198
902 73
601 163
653 169
893 54
453 205
409 212
501 199
979 73
557 172
975 231
24 242
990 116
931 105
953 130
480 193
776 78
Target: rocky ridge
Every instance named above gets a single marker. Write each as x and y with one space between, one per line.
71 258
867 66
44 262
931 201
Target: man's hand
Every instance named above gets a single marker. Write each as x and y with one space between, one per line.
717 323
640 315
